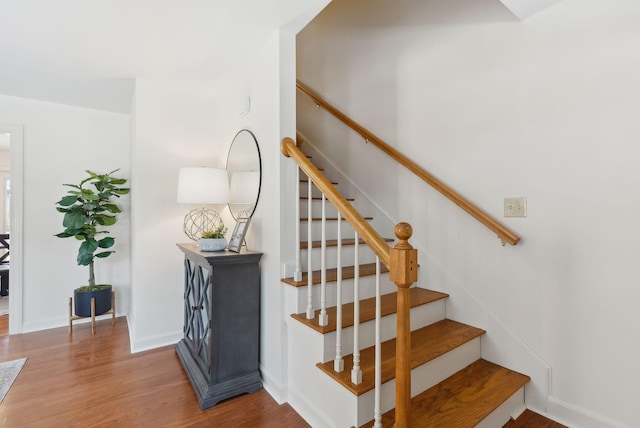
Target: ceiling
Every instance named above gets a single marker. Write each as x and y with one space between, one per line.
87 52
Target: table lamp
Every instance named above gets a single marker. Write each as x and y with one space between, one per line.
202 185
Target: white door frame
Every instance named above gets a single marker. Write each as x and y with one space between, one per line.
16 139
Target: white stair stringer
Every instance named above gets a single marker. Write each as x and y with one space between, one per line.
320 400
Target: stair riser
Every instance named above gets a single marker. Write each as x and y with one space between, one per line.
331 230
316 209
422 378
500 416
365 255
366 289
421 316
313 394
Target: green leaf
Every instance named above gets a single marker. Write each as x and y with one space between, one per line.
105 220
74 219
104 254
106 242
89 246
89 195
112 208
64 235
85 259
121 191
67 200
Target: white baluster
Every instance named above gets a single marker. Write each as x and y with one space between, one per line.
297 274
323 318
356 371
338 362
377 418
310 311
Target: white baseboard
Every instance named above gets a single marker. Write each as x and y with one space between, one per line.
274 388
574 416
310 413
139 345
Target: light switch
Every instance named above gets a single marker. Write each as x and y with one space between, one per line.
515 207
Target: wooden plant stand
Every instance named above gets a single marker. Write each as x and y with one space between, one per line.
112 311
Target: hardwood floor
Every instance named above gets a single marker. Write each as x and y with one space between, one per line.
530 419
4 325
85 380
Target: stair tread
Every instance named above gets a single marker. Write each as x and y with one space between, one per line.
305 219
427 343
319 198
418 297
464 399
334 243
366 269
305 180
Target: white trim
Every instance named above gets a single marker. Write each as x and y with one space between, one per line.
16 138
572 415
154 342
276 390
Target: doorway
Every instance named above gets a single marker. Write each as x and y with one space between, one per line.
5 209
11 197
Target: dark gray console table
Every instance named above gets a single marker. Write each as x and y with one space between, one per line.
220 349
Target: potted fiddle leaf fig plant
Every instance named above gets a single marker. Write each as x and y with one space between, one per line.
88 208
213 240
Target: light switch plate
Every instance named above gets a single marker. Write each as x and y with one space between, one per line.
515 207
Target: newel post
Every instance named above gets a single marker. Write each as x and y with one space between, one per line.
403 272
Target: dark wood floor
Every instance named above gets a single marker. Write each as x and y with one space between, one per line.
85 380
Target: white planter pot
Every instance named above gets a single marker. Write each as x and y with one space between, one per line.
214 244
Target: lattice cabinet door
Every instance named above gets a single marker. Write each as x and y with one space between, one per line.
220 348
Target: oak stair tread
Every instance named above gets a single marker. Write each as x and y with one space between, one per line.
305 180
464 399
334 243
427 343
418 296
366 269
319 198
305 219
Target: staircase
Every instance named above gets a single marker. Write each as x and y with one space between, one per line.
451 385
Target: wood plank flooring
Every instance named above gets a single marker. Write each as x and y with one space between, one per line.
4 325
84 380
529 419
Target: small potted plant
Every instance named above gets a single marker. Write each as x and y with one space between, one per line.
213 240
86 212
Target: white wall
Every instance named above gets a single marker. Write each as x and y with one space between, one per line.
545 108
60 143
185 123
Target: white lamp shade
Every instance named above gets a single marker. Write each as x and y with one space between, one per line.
244 187
200 185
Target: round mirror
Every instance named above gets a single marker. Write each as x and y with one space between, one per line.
245 174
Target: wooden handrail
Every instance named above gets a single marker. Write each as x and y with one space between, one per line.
503 232
364 229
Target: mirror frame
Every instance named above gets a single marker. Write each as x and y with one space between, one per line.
255 140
